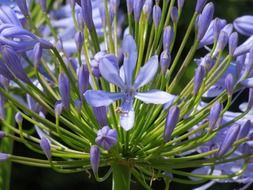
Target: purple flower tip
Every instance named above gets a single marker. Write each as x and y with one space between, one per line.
19 118
229 84
214 119
64 89
199 76
106 137
244 25
3 157
94 158
157 13
244 130
45 146
2 134
200 5
171 122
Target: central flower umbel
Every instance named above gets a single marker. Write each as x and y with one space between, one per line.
123 78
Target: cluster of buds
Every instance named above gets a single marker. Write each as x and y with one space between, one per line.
109 89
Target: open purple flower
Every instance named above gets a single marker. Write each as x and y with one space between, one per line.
129 88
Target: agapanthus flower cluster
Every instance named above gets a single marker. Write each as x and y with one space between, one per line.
103 86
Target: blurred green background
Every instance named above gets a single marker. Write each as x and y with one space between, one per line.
30 178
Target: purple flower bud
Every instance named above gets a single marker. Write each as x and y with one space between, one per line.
19 118
229 84
245 47
250 100
200 5
246 149
23 7
228 140
12 62
45 146
101 115
157 13
106 137
171 122
147 7
4 82
2 110
244 130
204 20
174 15
199 76
5 72
79 39
214 117
43 5
233 42
244 25
64 89
228 29
114 4
137 5
221 43
2 134
80 21
94 158
78 105
37 53
3 157
165 60
180 4
87 13
168 35
72 3
58 107
130 6
83 80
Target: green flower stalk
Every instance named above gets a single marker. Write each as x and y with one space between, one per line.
117 100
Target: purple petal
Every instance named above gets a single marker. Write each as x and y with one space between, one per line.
155 97
248 82
129 51
147 72
111 73
98 98
244 25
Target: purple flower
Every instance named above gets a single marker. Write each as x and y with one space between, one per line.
174 15
198 79
200 5
83 80
87 13
229 84
18 118
101 115
244 25
165 59
23 7
233 42
2 134
137 7
129 89
168 35
106 137
94 158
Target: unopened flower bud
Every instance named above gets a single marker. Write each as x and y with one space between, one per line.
46 147
137 7
19 118
229 84
23 7
199 76
87 13
79 39
94 158
64 89
214 117
165 60
168 35
233 42
244 130
200 5
3 157
43 5
157 13
228 140
221 43
174 15
171 122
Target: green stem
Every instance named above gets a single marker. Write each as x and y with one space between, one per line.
121 177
